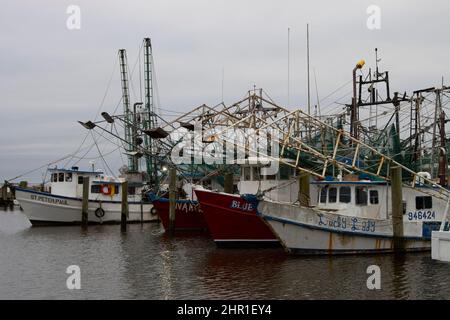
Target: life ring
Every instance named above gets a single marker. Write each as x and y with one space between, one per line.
99 213
106 189
153 211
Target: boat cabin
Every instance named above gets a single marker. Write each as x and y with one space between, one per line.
372 199
253 180
69 183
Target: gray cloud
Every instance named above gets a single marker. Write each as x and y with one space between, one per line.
50 76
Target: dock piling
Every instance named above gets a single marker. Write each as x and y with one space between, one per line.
303 189
124 211
397 208
172 194
228 182
85 204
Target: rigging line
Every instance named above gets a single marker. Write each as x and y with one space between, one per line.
330 94
78 150
158 102
140 75
107 89
43 166
108 86
132 71
85 154
122 145
95 158
100 153
92 146
89 150
336 101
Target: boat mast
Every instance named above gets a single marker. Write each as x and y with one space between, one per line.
443 149
354 115
307 62
150 120
132 161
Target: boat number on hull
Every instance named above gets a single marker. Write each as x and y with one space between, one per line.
343 223
235 204
49 200
421 215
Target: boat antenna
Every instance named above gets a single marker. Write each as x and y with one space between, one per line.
223 77
307 64
376 63
288 66
317 92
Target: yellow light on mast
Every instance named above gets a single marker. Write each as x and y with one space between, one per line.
360 64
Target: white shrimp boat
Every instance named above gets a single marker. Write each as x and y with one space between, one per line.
353 217
62 202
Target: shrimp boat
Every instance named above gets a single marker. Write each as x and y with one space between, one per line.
61 203
189 216
353 217
233 221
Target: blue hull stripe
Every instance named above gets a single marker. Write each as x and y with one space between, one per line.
299 224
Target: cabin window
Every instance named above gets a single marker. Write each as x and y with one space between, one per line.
256 176
345 195
332 195
425 202
80 179
247 173
116 188
361 196
271 177
61 177
132 191
285 173
54 177
95 188
323 195
373 195
69 177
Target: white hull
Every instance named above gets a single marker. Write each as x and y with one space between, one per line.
440 246
307 230
41 208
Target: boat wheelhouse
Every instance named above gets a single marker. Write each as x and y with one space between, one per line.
61 200
354 217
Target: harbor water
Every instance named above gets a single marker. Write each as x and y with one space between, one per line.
145 263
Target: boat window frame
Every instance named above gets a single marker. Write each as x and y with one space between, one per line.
246 170
358 199
335 195
377 197
321 194
55 177
61 176
285 172
270 177
68 177
424 204
349 194
256 173
96 189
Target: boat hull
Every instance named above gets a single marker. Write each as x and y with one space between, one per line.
188 215
233 222
43 208
303 230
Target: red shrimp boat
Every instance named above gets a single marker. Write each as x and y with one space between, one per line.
189 216
232 221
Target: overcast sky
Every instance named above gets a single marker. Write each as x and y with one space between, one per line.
51 76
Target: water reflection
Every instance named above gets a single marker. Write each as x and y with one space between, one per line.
145 263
